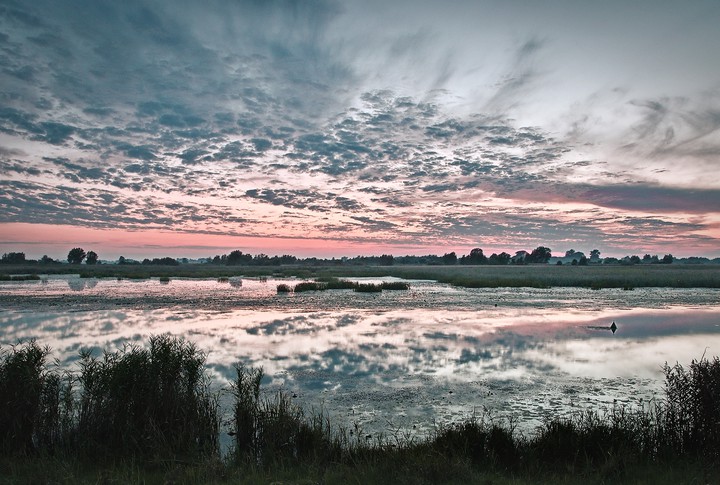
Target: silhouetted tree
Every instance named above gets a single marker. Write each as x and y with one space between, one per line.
667 259
76 255
237 257
450 258
91 257
121 260
502 258
46 259
583 261
541 254
595 256
386 260
13 258
476 256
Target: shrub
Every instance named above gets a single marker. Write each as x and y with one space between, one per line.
283 288
148 402
36 403
310 286
368 288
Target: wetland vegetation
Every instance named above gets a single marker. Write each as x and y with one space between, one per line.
488 276
148 413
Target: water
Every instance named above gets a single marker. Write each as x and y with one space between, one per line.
399 361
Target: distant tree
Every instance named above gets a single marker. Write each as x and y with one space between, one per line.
91 257
386 260
611 260
667 259
237 257
476 256
569 253
450 258
583 261
541 254
634 259
502 258
46 259
122 260
13 258
76 256
595 256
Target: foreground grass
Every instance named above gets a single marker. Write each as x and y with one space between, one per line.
145 415
532 276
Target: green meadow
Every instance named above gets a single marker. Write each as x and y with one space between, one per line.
482 276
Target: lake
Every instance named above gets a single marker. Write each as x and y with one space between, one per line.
397 361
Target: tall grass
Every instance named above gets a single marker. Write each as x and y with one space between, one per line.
35 402
150 405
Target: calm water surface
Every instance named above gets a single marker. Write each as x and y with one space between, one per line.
396 360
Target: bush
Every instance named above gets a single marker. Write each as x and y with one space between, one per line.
310 286
35 403
368 288
148 403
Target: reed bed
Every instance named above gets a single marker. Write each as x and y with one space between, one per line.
147 412
483 276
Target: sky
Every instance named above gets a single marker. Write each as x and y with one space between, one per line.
337 128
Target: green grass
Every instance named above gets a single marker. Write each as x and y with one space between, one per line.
145 414
532 276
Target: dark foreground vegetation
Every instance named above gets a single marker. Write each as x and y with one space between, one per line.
148 415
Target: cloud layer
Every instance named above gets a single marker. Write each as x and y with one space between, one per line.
413 124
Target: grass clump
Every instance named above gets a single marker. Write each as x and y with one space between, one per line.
395 285
368 288
147 403
338 284
283 288
309 286
35 402
147 412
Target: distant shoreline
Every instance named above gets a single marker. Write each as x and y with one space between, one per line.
481 276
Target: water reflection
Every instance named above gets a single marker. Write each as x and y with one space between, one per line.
393 361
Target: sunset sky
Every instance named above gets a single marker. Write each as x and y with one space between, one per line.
338 128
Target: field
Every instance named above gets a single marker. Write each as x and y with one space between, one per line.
486 276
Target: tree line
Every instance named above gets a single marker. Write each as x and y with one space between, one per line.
539 255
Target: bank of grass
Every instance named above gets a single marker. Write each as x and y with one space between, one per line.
145 414
486 276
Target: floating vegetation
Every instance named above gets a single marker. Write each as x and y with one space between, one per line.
283 288
21 277
337 284
395 285
310 286
368 288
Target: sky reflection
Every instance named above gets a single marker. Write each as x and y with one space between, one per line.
389 361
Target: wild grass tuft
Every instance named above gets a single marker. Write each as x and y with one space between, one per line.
147 403
141 407
309 286
283 288
368 288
